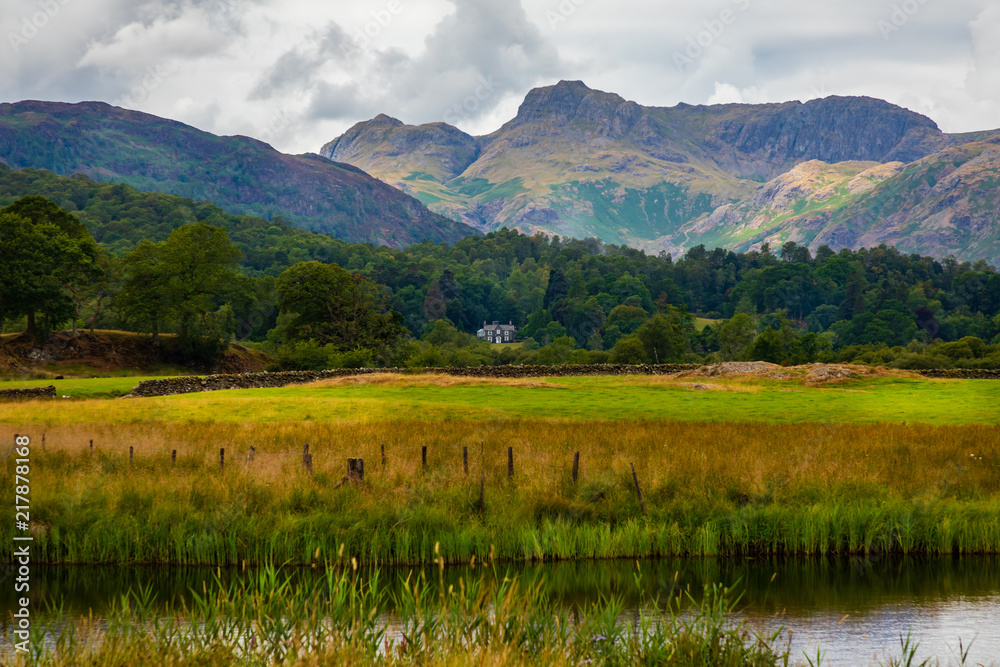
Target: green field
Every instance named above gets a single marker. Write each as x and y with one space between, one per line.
893 400
729 467
103 387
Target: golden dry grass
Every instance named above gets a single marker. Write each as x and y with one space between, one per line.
691 459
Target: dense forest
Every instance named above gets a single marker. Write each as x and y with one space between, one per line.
162 264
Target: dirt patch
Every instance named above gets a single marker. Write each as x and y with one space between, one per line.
430 380
811 374
732 369
698 386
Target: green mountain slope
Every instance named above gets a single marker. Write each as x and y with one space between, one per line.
238 173
119 217
585 163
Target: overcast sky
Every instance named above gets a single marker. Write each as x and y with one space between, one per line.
297 73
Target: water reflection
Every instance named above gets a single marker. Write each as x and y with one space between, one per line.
942 599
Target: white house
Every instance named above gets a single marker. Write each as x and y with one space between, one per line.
497 333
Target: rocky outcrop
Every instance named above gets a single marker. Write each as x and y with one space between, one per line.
762 141
36 392
192 384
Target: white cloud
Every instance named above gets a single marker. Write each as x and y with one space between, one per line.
983 82
726 93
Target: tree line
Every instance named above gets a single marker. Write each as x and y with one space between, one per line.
81 253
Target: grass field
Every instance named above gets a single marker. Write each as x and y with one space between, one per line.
374 399
103 387
743 467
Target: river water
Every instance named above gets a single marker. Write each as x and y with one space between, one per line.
939 600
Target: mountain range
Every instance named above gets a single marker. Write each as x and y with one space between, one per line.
846 172
239 174
840 171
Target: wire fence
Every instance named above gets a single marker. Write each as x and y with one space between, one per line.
311 460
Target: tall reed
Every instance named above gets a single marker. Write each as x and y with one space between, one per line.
342 618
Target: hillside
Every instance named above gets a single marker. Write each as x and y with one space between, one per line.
240 174
585 163
119 217
946 203
104 353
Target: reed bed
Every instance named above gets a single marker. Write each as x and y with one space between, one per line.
709 489
341 618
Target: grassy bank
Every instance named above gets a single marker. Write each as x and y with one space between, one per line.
709 488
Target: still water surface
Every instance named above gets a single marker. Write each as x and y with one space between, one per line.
941 600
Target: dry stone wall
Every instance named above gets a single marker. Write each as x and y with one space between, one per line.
190 384
962 373
36 392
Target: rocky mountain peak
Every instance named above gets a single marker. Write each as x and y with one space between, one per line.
571 100
383 119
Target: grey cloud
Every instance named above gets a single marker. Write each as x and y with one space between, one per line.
483 51
62 62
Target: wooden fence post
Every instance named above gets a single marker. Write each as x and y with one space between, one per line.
383 457
465 459
638 491
423 457
43 441
510 463
576 466
222 459
306 458
91 447
356 470
173 457
250 454
131 453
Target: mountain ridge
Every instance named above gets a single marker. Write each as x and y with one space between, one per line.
580 162
239 173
